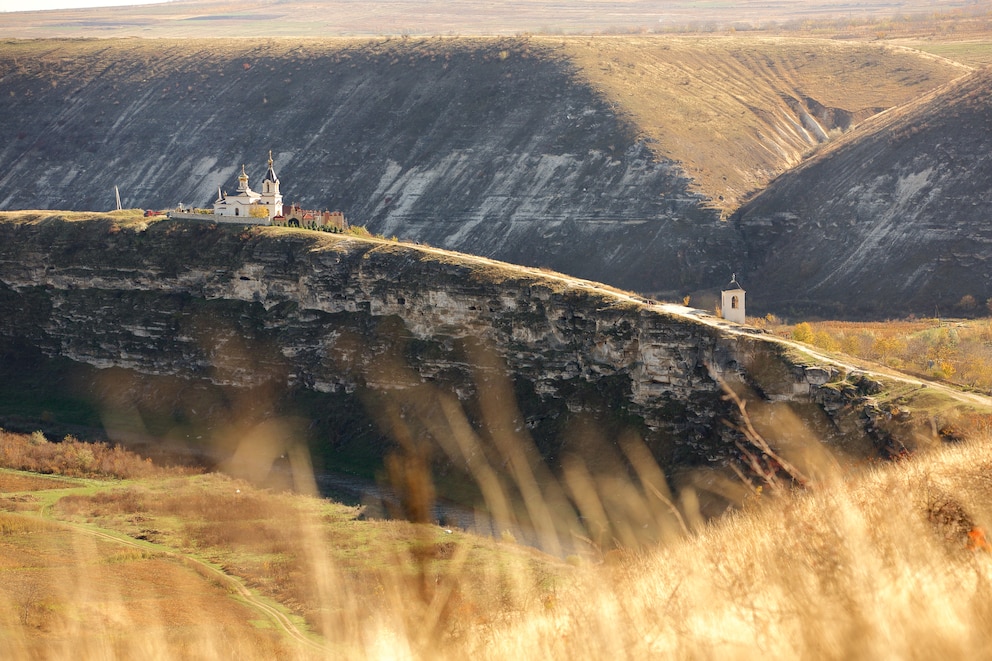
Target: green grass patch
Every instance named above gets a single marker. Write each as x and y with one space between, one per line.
973 53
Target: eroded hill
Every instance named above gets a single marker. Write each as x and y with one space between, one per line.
588 156
893 222
735 113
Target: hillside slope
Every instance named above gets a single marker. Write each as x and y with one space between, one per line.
737 112
526 150
895 221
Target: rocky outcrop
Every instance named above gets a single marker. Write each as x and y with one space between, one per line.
192 326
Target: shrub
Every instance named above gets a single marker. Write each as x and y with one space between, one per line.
803 332
824 340
74 457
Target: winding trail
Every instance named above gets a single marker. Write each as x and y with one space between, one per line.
694 315
273 613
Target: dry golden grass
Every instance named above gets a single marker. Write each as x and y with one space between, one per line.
284 546
11 481
973 50
720 105
66 595
958 351
890 564
403 17
887 560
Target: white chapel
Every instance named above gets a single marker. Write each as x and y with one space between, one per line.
732 301
248 203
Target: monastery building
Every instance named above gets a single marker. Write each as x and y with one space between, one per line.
250 207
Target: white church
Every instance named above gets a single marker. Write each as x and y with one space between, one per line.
248 204
250 207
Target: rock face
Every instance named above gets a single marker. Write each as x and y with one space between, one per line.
893 222
193 326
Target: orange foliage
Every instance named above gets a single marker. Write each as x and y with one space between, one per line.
72 457
955 350
977 540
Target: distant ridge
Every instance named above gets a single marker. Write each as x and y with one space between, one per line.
214 18
895 219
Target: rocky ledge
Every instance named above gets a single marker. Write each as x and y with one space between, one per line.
183 329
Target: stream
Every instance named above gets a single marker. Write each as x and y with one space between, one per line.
381 502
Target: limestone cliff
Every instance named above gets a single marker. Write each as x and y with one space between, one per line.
610 159
495 147
181 330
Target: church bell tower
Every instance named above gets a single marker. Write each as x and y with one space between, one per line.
732 301
271 197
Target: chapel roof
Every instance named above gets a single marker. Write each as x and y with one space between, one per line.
733 284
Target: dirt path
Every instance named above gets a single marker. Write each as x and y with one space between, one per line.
849 364
233 584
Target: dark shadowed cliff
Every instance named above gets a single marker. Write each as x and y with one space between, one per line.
894 221
494 147
598 158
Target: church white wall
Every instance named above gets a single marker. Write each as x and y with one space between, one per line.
732 305
216 218
241 204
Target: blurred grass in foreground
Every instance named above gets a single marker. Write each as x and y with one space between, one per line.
889 561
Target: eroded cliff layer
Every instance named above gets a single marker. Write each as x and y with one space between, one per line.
891 223
188 330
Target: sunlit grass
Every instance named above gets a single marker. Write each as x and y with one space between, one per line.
958 350
883 560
